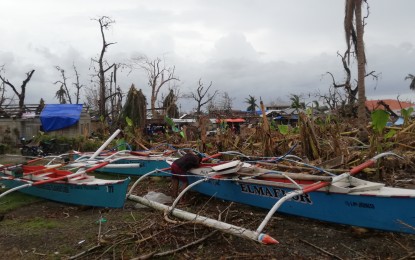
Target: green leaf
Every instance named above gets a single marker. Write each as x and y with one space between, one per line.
328 119
283 129
379 120
390 134
272 125
309 112
170 122
129 121
406 113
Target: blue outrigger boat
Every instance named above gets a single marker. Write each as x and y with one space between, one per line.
65 186
341 199
52 182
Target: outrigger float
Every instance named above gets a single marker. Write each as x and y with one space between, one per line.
341 199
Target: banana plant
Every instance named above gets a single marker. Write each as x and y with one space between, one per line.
380 119
406 113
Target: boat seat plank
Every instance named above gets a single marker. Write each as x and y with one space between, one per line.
225 166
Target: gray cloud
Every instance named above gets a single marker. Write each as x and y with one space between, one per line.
269 49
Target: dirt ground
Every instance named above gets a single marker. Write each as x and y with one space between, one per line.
49 230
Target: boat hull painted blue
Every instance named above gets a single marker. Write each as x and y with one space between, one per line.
382 213
145 167
111 195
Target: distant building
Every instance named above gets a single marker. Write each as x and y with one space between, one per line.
279 106
389 104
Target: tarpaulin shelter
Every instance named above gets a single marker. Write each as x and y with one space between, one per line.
59 116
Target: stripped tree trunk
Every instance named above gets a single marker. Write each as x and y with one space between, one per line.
266 133
310 145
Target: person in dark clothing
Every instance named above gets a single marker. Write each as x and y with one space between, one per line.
180 166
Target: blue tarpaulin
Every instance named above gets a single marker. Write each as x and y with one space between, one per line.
59 116
399 122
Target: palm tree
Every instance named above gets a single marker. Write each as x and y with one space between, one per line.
354 36
296 103
251 101
60 95
316 105
412 78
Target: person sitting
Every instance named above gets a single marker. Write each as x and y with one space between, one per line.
180 167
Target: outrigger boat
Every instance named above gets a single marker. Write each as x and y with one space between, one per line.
65 186
341 199
52 182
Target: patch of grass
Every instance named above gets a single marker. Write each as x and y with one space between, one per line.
15 200
40 224
30 228
128 217
32 224
66 250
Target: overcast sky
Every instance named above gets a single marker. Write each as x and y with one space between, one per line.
267 49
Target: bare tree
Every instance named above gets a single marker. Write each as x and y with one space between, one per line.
351 89
158 76
77 85
226 102
221 107
333 99
22 94
92 99
211 105
3 92
103 66
114 94
63 93
200 95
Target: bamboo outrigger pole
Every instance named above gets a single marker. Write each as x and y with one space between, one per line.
219 225
216 224
105 144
